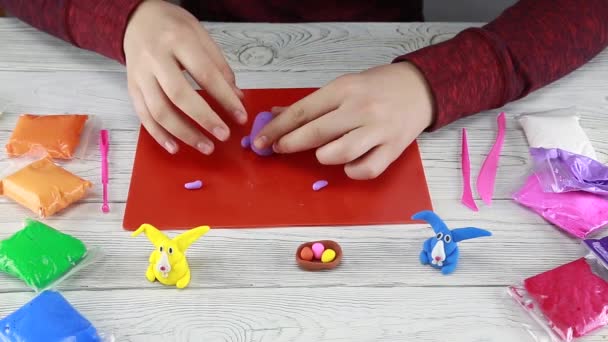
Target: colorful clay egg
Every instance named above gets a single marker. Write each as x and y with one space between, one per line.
317 250
306 254
328 256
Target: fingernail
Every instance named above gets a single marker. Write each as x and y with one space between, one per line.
220 133
261 142
171 147
241 116
204 148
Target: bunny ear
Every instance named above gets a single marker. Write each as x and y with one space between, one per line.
433 219
467 233
184 240
154 235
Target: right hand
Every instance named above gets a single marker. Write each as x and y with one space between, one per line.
160 40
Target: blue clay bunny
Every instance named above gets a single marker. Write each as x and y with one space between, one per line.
441 251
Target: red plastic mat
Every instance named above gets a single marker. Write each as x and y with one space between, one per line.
244 190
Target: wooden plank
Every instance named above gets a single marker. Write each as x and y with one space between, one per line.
522 245
302 314
248 47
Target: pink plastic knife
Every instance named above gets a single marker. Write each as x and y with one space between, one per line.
104 146
487 174
467 193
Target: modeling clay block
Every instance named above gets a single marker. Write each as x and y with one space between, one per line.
578 213
44 187
320 184
261 120
562 171
558 128
39 254
194 185
47 317
572 297
59 135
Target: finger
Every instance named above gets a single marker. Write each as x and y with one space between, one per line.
217 56
276 110
159 134
307 109
316 133
165 115
349 147
180 93
206 74
373 164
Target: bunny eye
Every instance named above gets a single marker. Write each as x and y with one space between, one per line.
161 248
170 250
447 239
439 236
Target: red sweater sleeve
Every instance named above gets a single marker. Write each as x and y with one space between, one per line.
532 44
90 24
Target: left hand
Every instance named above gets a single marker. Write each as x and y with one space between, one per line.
363 120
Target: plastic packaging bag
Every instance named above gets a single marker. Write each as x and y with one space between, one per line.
41 186
42 256
559 128
569 301
578 213
61 136
563 171
49 317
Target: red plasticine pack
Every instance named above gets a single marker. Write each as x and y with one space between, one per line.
569 301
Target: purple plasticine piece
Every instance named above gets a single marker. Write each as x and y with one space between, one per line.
320 184
194 185
261 120
246 142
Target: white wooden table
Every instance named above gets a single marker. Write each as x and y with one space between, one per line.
380 292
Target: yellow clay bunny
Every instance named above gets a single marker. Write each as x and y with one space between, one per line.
168 262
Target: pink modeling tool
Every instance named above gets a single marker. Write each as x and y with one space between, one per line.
467 193
104 147
487 174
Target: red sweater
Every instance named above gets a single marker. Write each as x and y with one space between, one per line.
531 44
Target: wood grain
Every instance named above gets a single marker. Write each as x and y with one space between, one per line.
246 285
300 314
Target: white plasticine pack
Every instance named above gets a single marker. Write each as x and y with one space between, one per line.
559 128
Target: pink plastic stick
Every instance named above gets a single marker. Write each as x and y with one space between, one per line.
467 193
104 147
487 174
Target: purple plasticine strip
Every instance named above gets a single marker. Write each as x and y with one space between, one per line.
261 120
467 193
320 184
487 175
194 185
246 142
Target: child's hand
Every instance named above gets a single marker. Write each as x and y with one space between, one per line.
363 120
160 40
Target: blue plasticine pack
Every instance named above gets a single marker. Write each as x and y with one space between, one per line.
49 317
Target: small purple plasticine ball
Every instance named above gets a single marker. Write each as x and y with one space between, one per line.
261 120
194 185
320 184
246 142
